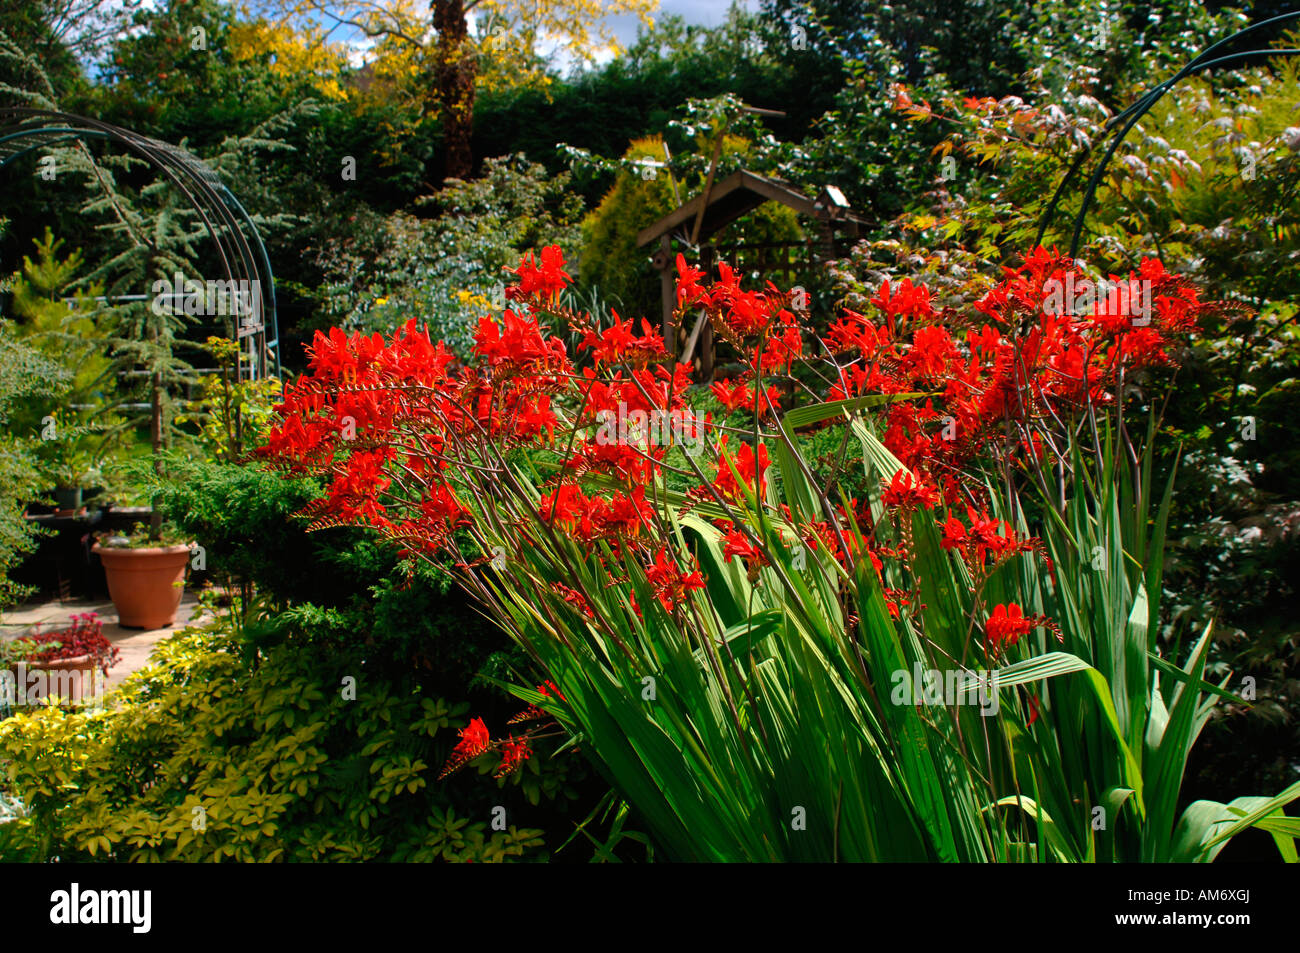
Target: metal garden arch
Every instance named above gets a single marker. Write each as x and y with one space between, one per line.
1212 57
239 247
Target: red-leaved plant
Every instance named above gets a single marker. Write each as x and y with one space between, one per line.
84 636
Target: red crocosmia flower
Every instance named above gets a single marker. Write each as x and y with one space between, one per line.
986 538
954 534
910 301
548 689
986 339
1151 269
441 503
533 416
625 514
896 600
1034 708
546 281
564 505
294 441
737 543
780 351
519 342
574 598
931 351
688 287
738 314
629 464
876 563
1007 624
1142 347
354 492
725 482
741 396
907 492
487 341
618 343
853 332
983 529
670 584
552 269
732 396
854 380
474 740
514 752
570 509
341 356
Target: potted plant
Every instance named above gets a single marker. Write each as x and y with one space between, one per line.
72 476
70 455
145 572
146 576
62 663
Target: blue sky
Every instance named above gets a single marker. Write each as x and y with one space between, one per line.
702 12
624 27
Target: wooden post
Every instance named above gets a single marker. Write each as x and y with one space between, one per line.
708 184
705 348
157 439
828 239
668 292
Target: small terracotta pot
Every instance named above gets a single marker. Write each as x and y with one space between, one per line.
145 585
79 683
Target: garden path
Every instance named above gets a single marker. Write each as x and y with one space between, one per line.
136 645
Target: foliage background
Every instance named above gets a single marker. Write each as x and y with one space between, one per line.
277 114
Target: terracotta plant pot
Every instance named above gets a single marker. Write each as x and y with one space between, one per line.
145 585
73 680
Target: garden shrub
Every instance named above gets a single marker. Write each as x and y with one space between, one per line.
24 374
446 266
730 654
75 336
213 753
609 258
350 587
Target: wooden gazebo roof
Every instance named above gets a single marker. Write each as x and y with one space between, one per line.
720 204
735 195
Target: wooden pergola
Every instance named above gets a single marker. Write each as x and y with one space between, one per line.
714 209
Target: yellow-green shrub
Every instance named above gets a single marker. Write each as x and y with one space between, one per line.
210 754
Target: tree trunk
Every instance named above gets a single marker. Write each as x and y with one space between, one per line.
156 438
454 74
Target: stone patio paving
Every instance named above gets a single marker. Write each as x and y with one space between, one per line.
135 644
